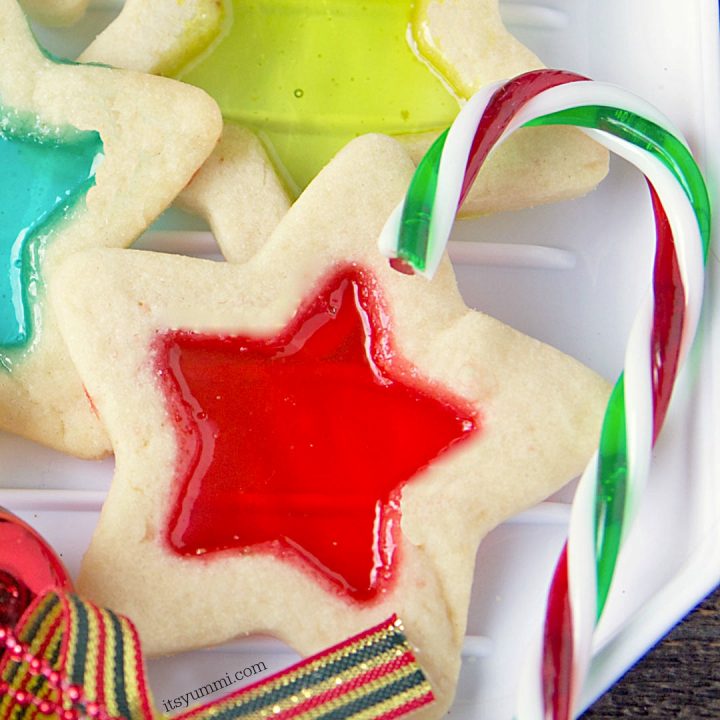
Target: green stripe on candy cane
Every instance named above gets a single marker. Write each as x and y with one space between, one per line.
612 470
651 137
418 207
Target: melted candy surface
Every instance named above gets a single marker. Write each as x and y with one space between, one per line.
299 444
310 76
44 171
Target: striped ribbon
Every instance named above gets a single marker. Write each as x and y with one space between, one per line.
415 237
70 659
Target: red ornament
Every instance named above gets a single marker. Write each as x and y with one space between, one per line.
28 567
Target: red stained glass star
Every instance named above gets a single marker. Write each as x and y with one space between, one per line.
299 444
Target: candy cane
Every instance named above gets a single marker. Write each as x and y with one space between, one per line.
415 236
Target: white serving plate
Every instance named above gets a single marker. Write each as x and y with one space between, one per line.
572 275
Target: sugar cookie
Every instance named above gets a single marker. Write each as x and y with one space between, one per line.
90 156
238 193
55 12
311 440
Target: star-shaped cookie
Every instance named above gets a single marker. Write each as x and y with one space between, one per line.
311 440
55 12
239 194
90 156
308 80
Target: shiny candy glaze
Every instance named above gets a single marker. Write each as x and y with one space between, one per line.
310 76
45 171
299 444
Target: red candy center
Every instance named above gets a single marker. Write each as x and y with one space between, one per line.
300 444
